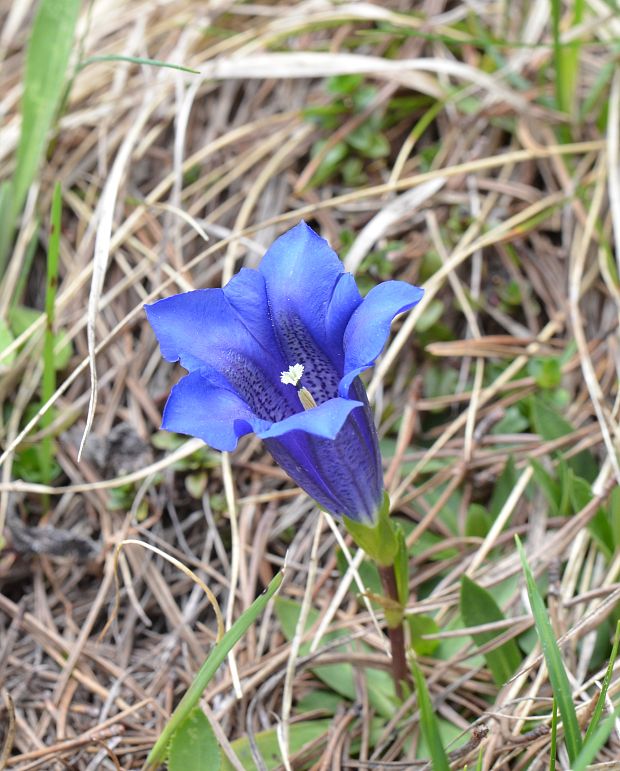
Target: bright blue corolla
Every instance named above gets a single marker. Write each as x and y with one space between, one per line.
278 352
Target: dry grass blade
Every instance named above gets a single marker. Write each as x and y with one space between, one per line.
427 147
101 255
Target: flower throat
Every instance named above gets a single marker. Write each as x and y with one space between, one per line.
292 376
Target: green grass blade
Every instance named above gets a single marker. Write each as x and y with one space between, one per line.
428 722
595 742
48 55
137 60
49 368
553 658
553 746
566 56
600 704
47 59
208 669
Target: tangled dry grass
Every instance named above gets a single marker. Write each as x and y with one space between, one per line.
507 211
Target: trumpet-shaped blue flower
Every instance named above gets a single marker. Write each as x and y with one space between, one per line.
278 352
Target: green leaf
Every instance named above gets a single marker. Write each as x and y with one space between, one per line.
600 702
431 314
478 607
7 220
344 84
551 425
503 488
565 477
513 422
369 142
419 625
137 60
339 677
6 338
47 59
566 56
547 372
553 658
63 349
554 736
48 385
401 566
600 527
614 515
209 668
478 522
548 485
196 484
193 746
594 743
21 318
300 734
367 571
330 163
428 722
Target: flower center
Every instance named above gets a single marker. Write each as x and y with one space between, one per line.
292 376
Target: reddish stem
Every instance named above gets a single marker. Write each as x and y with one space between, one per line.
400 669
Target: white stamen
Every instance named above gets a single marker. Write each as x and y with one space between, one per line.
292 375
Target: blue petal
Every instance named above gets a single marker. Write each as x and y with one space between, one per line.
310 305
325 421
344 301
369 326
190 327
203 406
301 271
341 472
228 331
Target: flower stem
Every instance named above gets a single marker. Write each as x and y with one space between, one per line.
400 669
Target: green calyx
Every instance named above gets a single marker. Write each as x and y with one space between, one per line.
379 541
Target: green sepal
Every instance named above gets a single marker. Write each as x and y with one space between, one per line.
379 541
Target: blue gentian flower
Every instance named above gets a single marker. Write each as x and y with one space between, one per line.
278 352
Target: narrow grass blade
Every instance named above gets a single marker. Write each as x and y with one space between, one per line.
48 55
428 722
600 703
49 363
566 56
553 746
553 658
594 743
208 669
49 49
137 60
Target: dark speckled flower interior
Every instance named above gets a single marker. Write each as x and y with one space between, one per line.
298 308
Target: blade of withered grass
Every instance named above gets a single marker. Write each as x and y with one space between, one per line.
102 248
